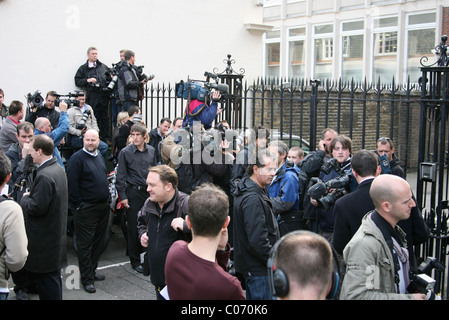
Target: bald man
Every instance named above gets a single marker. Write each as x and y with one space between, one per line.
43 126
377 253
89 198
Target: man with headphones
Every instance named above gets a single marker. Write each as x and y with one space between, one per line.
300 267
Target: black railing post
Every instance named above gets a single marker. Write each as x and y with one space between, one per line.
313 113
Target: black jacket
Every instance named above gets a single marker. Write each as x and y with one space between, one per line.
161 234
348 212
98 72
128 83
255 228
45 211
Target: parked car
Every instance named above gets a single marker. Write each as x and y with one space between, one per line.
291 141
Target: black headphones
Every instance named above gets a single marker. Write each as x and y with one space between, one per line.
278 279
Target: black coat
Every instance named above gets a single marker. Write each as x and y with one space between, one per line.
45 210
255 228
348 213
161 234
99 72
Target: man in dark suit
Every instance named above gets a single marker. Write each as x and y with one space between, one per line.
45 209
350 209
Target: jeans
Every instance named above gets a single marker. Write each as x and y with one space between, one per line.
4 295
257 288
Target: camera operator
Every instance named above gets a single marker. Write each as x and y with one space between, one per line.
91 77
340 148
48 110
129 81
205 112
376 259
82 118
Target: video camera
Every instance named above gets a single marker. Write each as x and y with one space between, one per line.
142 76
69 99
35 100
326 193
201 89
421 281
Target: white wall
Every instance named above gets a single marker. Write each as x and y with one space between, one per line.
44 42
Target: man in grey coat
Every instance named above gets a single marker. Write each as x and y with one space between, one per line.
376 257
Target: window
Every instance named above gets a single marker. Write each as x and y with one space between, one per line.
420 39
352 50
272 53
323 51
385 47
296 52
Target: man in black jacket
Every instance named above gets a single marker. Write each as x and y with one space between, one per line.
91 77
255 227
134 162
45 209
47 111
129 81
161 220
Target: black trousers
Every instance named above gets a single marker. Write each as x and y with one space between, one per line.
100 105
49 285
136 200
91 223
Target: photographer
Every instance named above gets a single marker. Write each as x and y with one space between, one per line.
310 167
340 148
91 76
47 110
82 118
130 81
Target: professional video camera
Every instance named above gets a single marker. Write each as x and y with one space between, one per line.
421 282
326 193
201 89
69 99
35 100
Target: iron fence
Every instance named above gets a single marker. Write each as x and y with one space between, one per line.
413 116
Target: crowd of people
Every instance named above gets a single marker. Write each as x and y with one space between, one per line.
260 221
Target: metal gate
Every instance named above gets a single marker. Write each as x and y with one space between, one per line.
432 179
